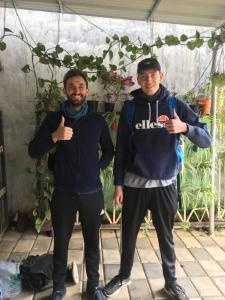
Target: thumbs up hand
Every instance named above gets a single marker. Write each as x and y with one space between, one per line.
175 125
62 122
62 133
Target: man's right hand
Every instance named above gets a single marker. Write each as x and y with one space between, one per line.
118 195
62 133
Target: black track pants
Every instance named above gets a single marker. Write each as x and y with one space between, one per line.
162 202
64 206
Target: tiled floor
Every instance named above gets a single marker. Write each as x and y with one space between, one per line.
200 263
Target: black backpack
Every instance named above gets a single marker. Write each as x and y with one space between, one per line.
36 271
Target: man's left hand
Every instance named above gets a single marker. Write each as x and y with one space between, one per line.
175 125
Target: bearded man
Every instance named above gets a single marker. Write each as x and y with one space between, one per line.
77 135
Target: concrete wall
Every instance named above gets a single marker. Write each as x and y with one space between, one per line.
17 91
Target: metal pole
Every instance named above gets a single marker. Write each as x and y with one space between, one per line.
213 134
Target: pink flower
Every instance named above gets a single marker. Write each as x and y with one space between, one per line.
113 74
127 81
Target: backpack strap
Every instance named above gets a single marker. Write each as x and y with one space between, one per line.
172 103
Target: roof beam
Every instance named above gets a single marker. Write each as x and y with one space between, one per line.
152 9
60 3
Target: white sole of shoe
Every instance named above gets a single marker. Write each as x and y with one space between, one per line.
171 297
117 291
75 274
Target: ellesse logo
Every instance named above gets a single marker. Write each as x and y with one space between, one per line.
163 118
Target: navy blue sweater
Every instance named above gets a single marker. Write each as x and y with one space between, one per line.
77 163
151 152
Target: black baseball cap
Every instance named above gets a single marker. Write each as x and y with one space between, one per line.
148 63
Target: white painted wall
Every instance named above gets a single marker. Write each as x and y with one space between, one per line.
182 70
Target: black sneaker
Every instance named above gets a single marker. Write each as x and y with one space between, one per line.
176 292
94 293
98 294
114 286
58 294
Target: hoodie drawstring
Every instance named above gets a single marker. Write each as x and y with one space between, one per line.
149 112
157 110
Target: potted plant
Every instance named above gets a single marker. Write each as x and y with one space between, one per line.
114 84
50 97
204 102
189 97
93 101
218 79
196 174
112 119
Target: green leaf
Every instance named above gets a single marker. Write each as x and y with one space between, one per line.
99 61
58 49
124 40
44 60
172 40
54 54
158 42
67 59
145 49
183 38
129 48
113 67
121 54
199 43
26 69
134 49
55 62
121 62
48 214
223 34
213 35
104 53
110 54
168 40
191 45
41 47
211 43
2 46
116 37
93 78
133 57
107 39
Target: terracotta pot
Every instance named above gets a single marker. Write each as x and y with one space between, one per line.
205 105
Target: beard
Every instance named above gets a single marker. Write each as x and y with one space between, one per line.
75 103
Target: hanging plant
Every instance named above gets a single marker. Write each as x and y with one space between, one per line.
218 79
